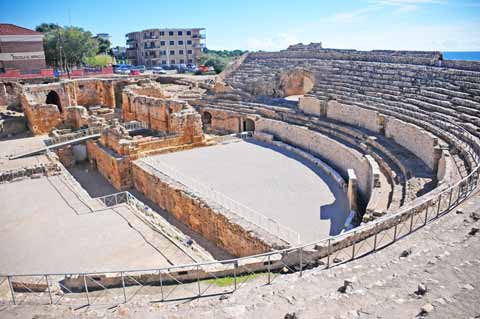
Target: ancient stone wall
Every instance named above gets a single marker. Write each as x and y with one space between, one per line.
10 94
354 115
222 120
420 142
90 92
197 214
167 116
407 81
115 168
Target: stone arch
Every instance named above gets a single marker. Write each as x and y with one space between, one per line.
296 82
53 98
206 120
248 125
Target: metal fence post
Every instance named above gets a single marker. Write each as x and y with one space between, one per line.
411 221
123 287
235 276
11 290
198 281
450 198
268 269
375 241
161 284
328 253
426 213
86 289
301 261
49 290
439 204
354 242
395 233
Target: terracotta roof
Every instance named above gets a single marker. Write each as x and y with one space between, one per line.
11 29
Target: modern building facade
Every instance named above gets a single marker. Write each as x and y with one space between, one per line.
21 49
165 46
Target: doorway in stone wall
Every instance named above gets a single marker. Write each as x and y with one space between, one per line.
53 98
206 120
248 125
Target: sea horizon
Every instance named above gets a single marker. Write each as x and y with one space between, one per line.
462 55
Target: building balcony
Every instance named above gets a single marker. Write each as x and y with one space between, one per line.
198 36
150 37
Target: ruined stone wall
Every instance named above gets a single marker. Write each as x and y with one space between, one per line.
90 92
10 94
116 169
420 142
168 116
336 154
223 120
198 215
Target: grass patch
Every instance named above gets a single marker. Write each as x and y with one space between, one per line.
229 281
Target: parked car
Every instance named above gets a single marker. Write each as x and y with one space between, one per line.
134 72
140 68
122 71
158 70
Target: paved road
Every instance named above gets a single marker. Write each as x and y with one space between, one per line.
274 182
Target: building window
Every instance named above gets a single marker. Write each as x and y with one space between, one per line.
146 54
180 33
189 42
182 61
162 42
172 52
152 44
180 42
164 61
145 45
180 51
170 33
172 61
163 52
190 52
189 32
162 33
190 61
172 42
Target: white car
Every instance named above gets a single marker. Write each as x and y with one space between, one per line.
158 70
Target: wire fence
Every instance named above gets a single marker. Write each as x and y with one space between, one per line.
224 277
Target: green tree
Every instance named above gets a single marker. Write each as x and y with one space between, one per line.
219 59
67 47
103 46
46 27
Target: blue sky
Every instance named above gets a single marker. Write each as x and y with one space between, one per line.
445 25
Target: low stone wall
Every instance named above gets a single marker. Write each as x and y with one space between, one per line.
418 141
223 230
354 115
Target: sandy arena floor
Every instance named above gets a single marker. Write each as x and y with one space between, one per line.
270 180
41 231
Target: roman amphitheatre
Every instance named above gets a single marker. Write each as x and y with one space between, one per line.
290 171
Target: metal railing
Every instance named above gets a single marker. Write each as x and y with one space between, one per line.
203 191
200 279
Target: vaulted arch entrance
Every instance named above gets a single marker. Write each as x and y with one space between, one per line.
53 98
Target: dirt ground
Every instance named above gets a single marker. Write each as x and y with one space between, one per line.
443 257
